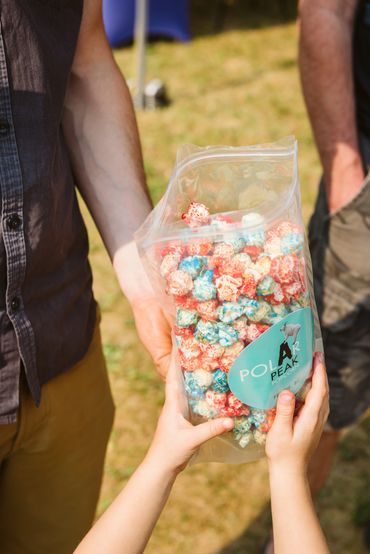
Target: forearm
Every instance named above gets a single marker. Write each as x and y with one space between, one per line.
325 61
295 524
100 128
101 133
127 524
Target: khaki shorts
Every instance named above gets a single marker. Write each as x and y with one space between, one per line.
52 460
340 251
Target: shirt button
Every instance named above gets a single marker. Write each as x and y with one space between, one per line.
13 222
4 128
15 303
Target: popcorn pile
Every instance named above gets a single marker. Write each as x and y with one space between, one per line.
227 293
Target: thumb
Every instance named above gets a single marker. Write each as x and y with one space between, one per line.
285 412
210 429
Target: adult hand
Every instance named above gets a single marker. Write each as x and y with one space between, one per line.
154 329
152 323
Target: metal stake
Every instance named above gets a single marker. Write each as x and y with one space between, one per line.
141 20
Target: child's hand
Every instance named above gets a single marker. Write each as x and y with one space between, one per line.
176 439
291 440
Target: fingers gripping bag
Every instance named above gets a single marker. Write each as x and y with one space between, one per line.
225 250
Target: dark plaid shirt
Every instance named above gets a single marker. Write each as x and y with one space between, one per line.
47 311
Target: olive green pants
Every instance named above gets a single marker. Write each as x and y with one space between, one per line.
52 460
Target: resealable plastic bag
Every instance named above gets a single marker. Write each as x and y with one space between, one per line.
226 252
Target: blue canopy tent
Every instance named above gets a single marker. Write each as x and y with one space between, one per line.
166 18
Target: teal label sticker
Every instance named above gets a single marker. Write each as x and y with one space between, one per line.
281 358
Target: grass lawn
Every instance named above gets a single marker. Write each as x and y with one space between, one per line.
237 87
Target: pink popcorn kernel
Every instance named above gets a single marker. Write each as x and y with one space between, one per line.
273 246
230 355
285 269
252 251
216 399
224 219
172 247
189 364
234 402
293 290
278 296
207 309
187 302
262 327
179 283
273 234
208 364
199 247
196 214
252 332
240 325
212 351
222 251
286 227
234 407
270 417
184 331
225 364
263 265
189 348
249 286
170 263
228 287
232 267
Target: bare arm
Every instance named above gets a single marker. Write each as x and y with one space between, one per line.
325 61
295 524
128 523
101 132
289 446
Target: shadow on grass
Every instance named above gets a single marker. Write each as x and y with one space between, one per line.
253 538
208 18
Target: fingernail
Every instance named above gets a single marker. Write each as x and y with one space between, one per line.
319 357
228 423
286 397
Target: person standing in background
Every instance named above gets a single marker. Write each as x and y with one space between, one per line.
66 118
334 63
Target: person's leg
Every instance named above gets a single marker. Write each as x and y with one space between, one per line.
51 480
322 461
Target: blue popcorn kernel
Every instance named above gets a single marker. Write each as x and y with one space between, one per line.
229 311
193 265
192 388
266 286
292 243
185 317
204 288
249 305
227 334
207 331
220 383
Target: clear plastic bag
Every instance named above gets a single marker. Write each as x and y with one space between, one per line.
225 249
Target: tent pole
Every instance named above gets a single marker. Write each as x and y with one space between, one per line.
141 19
